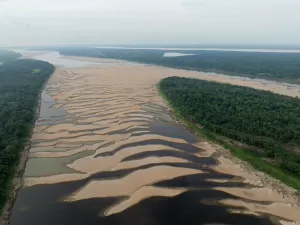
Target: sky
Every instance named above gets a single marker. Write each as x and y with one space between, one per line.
130 22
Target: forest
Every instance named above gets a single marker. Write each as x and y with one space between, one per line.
257 118
6 55
20 84
274 66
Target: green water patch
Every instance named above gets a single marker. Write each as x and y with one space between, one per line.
154 106
46 110
49 149
68 145
81 143
54 121
40 167
162 115
87 115
147 108
79 135
87 130
128 131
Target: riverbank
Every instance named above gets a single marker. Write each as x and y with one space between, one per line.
276 67
273 176
266 85
16 180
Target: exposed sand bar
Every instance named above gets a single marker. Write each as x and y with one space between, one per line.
276 87
131 183
140 194
108 149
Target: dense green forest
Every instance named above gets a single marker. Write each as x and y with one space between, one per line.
8 55
257 118
20 84
277 66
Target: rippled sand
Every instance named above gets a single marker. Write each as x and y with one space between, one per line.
109 112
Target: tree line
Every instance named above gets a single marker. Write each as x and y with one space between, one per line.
6 55
258 118
276 66
20 84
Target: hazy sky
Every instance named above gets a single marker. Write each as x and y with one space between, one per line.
60 22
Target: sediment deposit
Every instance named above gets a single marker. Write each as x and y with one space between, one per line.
109 152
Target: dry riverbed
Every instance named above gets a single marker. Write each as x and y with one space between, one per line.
105 150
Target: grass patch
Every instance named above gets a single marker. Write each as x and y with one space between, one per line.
36 71
258 163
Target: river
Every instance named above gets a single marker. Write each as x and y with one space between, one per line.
106 150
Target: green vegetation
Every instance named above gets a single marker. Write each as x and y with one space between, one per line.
274 66
8 55
36 71
264 122
20 85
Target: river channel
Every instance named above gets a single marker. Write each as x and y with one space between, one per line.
106 150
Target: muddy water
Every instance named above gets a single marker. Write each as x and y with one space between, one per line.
48 114
106 151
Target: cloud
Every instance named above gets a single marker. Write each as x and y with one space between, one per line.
192 3
149 22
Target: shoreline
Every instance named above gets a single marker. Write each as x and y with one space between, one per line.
17 179
231 75
274 86
275 50
267 180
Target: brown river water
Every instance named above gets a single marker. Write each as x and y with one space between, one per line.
106 150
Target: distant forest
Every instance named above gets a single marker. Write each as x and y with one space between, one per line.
8 55
20 84
257 118
274 66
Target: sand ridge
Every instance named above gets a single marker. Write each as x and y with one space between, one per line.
130 183
140 194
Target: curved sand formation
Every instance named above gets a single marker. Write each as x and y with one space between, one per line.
110 153
138 196
130 184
